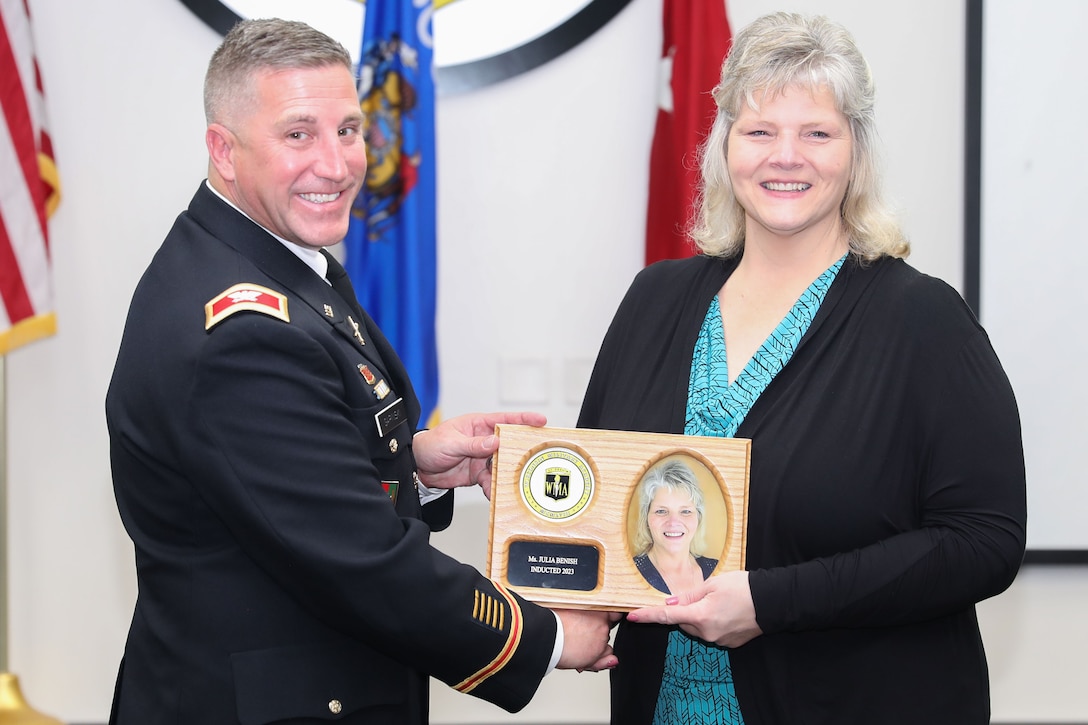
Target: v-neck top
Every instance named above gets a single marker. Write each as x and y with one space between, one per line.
697 683
715 407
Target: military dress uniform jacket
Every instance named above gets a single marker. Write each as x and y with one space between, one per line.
257 439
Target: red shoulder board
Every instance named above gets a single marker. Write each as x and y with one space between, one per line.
242 297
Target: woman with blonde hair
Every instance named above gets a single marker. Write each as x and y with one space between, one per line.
887 491
668 539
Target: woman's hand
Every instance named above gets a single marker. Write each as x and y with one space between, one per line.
720 610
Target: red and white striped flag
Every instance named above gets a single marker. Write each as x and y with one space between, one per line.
29 187
695 40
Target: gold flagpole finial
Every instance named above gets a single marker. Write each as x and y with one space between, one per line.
14 709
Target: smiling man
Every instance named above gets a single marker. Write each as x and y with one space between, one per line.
265 455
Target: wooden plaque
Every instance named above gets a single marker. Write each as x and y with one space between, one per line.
565 511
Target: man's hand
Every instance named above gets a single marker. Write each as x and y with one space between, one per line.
720 610
458 451
585 640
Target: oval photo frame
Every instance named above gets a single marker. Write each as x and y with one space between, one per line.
717 513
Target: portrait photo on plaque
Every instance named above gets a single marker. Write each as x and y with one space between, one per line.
677 524
614 520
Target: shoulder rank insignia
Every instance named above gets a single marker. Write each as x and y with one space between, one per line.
243 297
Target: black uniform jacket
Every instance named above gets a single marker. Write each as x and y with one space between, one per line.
887 495
257 442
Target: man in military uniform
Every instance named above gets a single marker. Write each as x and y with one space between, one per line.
265 455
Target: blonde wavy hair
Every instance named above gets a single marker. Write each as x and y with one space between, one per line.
776 52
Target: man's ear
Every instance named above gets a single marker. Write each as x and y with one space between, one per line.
221 143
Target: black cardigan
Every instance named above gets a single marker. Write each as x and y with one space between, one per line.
887 495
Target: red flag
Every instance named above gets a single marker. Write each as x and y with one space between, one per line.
29 187
696 39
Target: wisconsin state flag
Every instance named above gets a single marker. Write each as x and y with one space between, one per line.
696 40
390 247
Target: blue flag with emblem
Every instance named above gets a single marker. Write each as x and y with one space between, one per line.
390 246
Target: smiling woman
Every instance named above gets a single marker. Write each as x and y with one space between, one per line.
483 41
669 530
887 491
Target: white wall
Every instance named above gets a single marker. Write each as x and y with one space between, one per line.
542 198
1034 255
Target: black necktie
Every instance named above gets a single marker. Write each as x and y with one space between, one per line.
341 284
338 278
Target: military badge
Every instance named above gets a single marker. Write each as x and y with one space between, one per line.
245 297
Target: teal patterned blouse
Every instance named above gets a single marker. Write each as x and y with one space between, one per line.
697 685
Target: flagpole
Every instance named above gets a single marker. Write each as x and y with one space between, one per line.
14 709
4 513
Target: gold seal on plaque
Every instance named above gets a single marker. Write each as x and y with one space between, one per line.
559 490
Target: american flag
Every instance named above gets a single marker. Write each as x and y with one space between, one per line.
29 187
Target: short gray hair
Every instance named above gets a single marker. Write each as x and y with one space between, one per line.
267 44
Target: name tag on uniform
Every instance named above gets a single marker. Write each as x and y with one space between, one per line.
392 415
